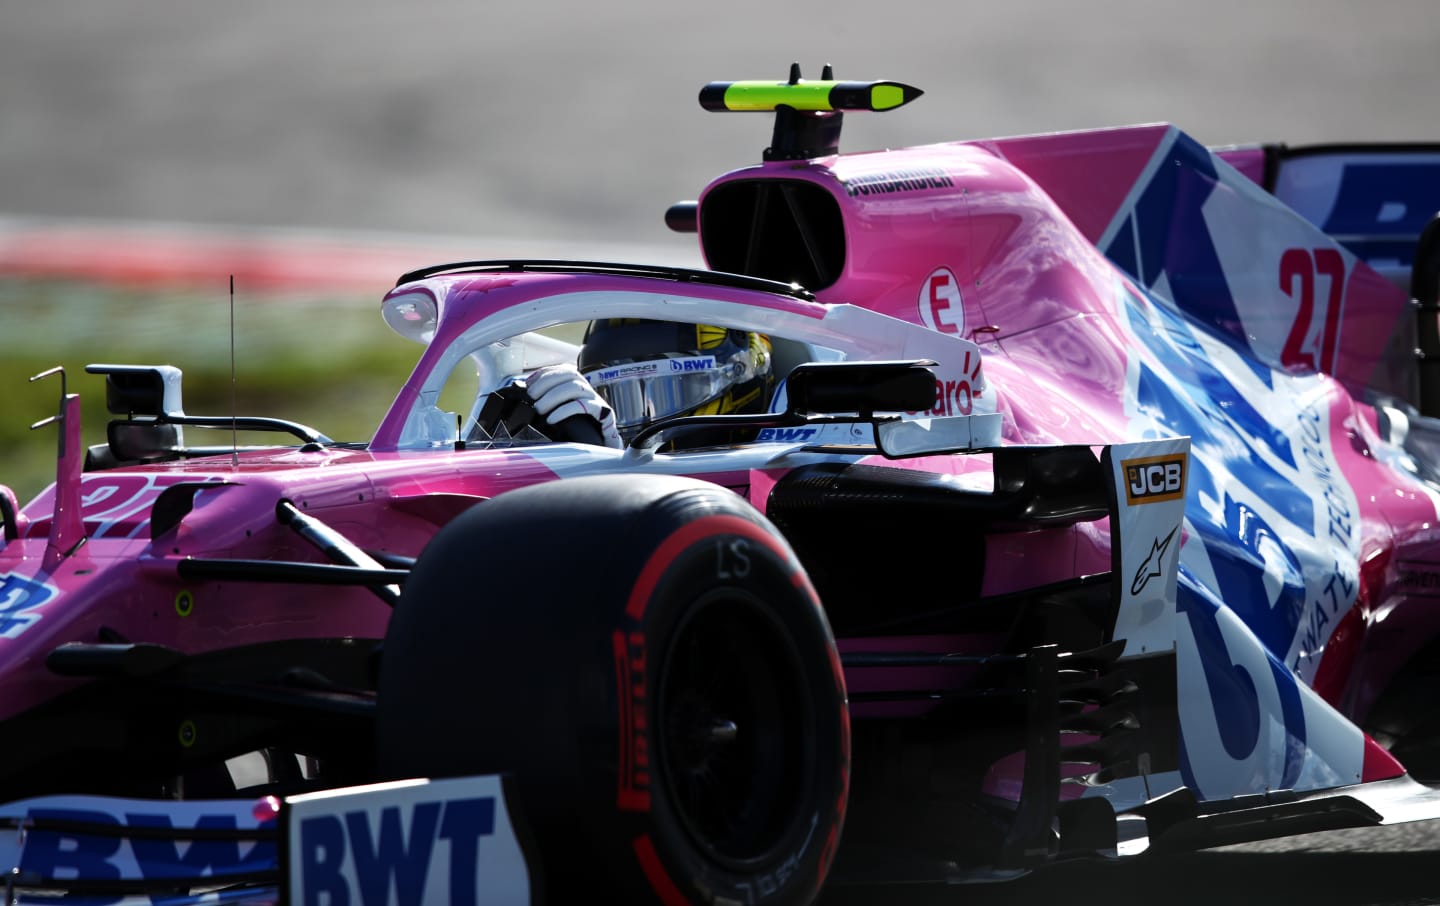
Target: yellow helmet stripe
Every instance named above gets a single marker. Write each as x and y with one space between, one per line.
708 336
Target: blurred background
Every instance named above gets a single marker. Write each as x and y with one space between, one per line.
314 149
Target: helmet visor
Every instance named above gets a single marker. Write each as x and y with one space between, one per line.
643 392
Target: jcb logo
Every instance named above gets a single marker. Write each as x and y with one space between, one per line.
1154 478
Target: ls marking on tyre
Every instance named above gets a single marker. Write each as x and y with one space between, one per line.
681 540
732 559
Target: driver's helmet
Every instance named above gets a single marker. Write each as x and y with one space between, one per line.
649 370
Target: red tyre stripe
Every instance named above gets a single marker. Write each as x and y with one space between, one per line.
655 872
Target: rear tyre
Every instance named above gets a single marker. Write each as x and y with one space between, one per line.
648 660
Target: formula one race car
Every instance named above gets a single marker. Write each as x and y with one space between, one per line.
1092 511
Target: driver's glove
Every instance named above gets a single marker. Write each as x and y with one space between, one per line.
559 392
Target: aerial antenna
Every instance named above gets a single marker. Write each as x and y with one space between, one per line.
234 405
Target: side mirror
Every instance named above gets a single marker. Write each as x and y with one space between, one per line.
828 388
147 390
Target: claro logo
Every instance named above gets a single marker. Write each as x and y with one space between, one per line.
1154 478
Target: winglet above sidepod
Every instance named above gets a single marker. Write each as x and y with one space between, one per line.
739 97
807 114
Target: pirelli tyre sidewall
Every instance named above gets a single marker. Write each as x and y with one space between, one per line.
647 659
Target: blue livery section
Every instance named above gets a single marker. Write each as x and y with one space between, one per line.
1196 232
1164 235
1219 328
1271 531
19 597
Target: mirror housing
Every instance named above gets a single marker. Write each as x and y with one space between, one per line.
145 390
864 388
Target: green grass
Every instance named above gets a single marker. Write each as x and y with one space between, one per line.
328 362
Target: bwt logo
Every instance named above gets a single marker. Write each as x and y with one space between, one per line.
364 856
786 435
1154 478
622 372
151 846
704 364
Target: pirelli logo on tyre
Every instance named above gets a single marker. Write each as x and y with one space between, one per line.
1153 479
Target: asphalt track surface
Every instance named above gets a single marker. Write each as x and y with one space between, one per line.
553 125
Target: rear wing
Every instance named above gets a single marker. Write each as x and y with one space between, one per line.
1382 202
1375 199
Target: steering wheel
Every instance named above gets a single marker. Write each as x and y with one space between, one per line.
511 406
581 429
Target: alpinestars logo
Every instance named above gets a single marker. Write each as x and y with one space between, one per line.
1154 565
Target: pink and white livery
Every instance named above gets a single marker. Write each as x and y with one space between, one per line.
1103 480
